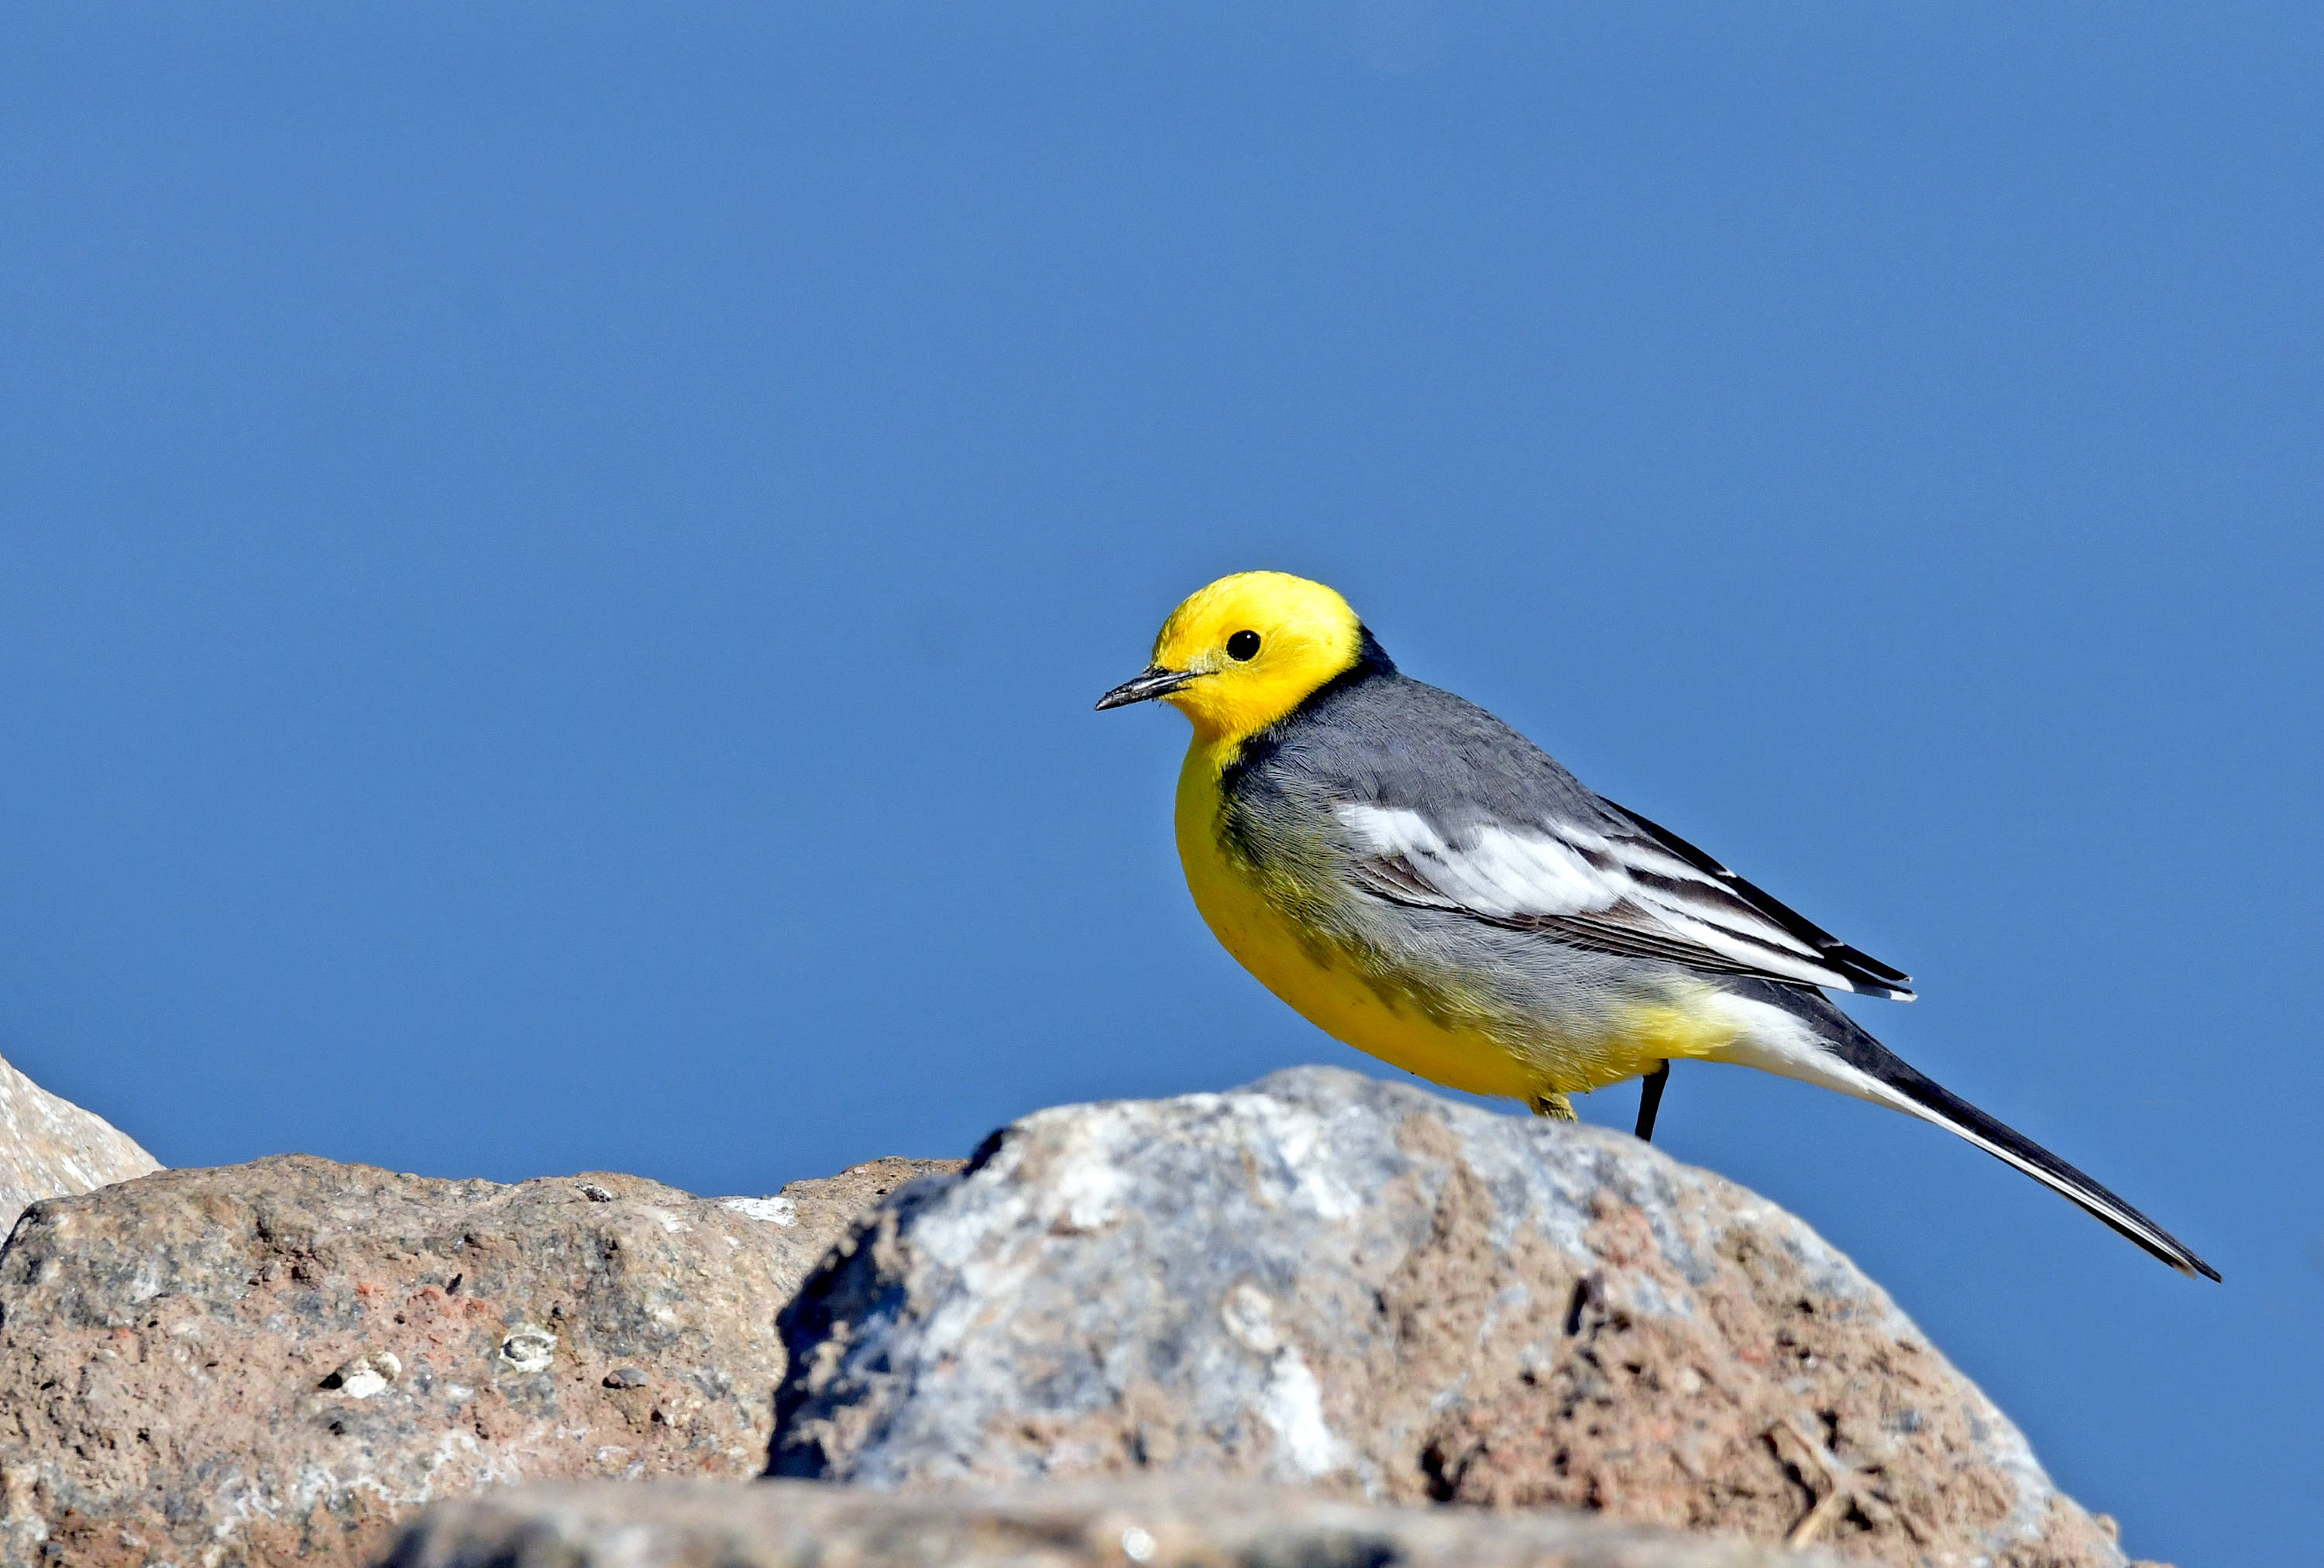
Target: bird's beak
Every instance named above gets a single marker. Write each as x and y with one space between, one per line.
1147 684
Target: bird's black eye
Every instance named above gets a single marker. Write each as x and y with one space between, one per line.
1243 645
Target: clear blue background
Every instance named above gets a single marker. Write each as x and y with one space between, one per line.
554 562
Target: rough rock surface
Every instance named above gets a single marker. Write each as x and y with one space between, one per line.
1324 1280
50 1148
276 1362
1182 1522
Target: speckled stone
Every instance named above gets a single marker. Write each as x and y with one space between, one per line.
277 1362
50 1148
1327 1280
1147 1522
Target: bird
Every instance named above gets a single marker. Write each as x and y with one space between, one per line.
1423 884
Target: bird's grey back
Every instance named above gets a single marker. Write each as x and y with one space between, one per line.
1377 738
1387 740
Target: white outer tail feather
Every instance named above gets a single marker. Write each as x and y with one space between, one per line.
1775 1041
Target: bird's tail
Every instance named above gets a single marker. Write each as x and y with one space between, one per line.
1889 1079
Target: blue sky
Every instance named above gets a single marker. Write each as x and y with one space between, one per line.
554 562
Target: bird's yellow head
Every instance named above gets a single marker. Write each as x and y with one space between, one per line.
1243 652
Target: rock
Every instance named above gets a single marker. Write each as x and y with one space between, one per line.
1327 1280
1177 1522
279 1360
51 1147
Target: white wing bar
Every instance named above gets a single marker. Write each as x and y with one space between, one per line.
1564 875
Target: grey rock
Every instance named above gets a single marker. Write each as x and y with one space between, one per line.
1152 1522
50 1148
279 1361
1326 1280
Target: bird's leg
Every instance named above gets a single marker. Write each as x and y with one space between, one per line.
1650 1099
1553 1105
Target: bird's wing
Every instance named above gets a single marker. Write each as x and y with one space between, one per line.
1617 884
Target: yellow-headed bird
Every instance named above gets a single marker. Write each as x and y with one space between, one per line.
1425 883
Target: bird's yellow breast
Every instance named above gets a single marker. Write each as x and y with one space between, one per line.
1462 1047
1323 984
